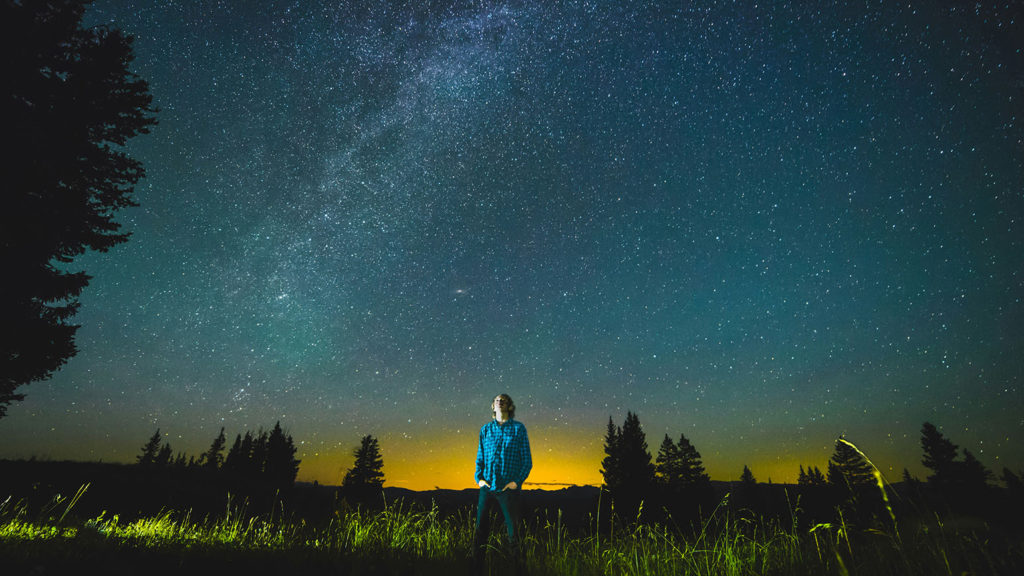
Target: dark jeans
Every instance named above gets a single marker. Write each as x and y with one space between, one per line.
508 501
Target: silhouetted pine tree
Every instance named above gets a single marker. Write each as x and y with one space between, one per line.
667 468
213 457
235 468
150 450
281 466
611 465
364 481
745 495
627 467
679 473
163 457
693 473
258 458
69 104
960 484
848 471
747 479
233 461
248 466
939 456
635 459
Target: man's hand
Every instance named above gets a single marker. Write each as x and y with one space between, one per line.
510 486
483 483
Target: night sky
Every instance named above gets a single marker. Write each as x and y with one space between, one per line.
759 225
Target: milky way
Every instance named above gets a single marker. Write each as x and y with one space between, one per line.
762 226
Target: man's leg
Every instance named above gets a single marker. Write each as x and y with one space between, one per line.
509 502
510 509
480 530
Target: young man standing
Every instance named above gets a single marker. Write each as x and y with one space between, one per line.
503 462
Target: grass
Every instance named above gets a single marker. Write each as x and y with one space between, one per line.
417 540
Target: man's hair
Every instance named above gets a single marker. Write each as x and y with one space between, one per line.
509 405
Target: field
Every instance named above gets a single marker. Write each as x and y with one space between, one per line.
400 538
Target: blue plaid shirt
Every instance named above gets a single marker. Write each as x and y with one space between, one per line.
503 455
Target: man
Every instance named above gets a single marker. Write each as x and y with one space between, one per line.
502 464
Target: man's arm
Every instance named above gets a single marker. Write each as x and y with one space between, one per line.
480 462
523 458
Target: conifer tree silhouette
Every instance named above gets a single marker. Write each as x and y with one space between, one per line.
667 469
163 457
281 465
366 477
636 466
69 106
611 465
848 471
150 450
627 467
747 479
939 456
679 466
213 457
685 487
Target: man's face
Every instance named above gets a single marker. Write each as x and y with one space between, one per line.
499 406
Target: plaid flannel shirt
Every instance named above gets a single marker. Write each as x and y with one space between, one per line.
503 454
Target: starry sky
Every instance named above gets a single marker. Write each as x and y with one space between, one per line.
761 225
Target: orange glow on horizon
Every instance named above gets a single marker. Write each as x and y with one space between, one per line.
450 464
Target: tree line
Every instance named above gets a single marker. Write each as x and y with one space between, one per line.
258 463
675 483
261 463
671 484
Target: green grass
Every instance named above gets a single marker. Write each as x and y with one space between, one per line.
409 540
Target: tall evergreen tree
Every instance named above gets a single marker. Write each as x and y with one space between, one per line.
213 457
745 494
282 467
679 465
692 468
666 465
629 473
248 466
635 460
69 106
366 477
847 468
939 456
150 450
679 474
163 457
236 467
747 479
611 466
235 459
